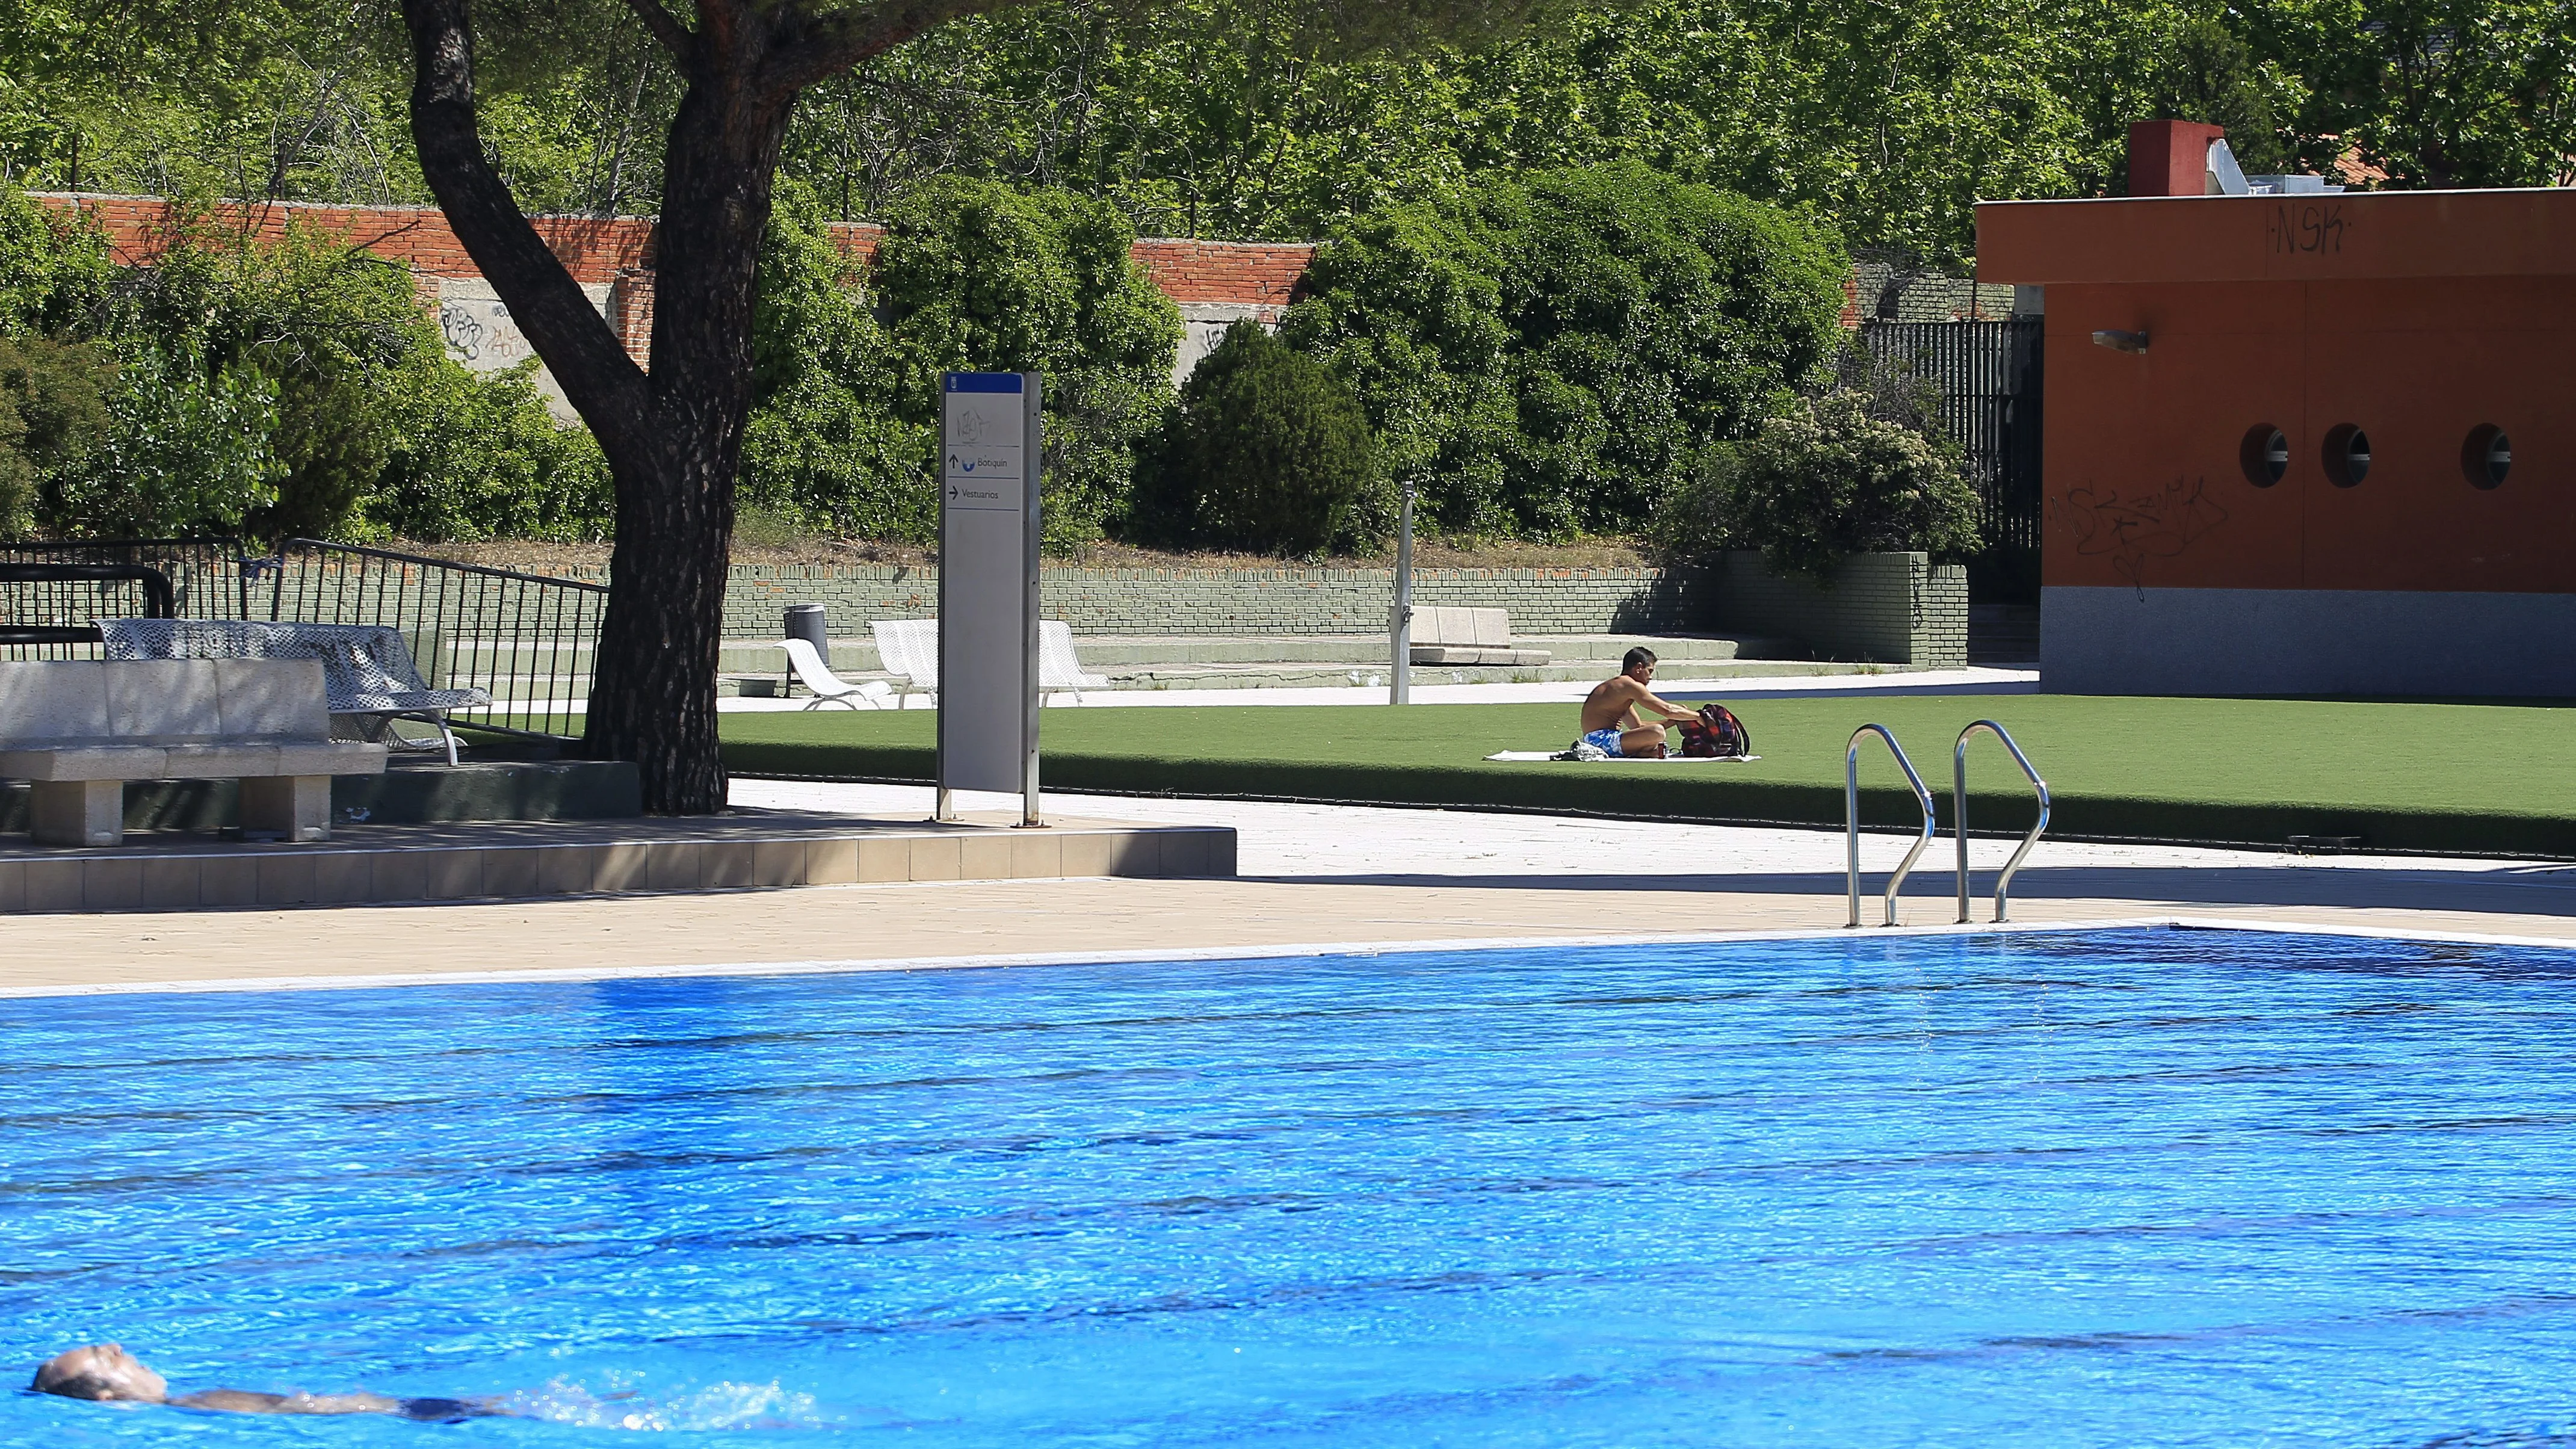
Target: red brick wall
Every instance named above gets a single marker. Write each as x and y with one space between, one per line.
611 249
593 249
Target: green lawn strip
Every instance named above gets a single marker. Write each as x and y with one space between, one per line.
2449 777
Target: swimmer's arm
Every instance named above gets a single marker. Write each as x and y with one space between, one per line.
245 1401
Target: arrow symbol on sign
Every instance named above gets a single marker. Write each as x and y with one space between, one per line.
952 490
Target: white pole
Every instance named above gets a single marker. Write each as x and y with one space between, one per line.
1400 680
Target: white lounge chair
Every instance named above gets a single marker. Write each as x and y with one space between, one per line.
909 650
830 688
1059 670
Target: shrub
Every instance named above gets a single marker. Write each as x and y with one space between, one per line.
478 456
1819 484
971 276
55 270
53 411
185 451
1545 355
1268 453
829 447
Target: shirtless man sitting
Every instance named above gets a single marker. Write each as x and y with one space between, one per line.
1620 716
105 1371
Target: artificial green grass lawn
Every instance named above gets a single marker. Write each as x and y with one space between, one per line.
2486 779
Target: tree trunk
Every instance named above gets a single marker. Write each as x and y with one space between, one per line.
673 439
655 698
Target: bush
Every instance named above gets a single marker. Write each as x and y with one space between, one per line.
294 387
185 451
1268 453
1545 355
971 276
53 411
55 270
1818 485
478 456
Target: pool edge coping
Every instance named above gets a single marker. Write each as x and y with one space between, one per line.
1187 955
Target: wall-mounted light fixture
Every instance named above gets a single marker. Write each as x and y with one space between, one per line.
2121 341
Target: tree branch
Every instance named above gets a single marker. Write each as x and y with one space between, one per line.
603 383
666 28
831 42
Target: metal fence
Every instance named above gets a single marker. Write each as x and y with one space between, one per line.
532 642
1988 376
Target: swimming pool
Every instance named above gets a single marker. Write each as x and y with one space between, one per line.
2148 1187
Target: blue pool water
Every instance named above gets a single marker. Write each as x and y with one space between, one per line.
2143 1188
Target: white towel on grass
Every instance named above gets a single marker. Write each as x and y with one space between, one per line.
1630 759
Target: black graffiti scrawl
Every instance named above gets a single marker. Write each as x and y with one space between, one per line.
2150 523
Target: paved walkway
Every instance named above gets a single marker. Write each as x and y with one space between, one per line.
1314 878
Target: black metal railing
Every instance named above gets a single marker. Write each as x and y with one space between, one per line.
205 578
44 593
531 642
1988 377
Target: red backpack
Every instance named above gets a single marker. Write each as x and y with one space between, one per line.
1716 735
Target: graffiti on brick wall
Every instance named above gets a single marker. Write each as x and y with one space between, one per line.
2151 523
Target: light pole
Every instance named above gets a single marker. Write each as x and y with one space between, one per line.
1400 680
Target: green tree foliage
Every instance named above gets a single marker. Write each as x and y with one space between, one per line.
1544 356
2211 75
1206 118
1267 452
53 411
186 451
971 276
469 457
294 387
1818 484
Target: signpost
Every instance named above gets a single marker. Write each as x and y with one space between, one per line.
988 588
1400 679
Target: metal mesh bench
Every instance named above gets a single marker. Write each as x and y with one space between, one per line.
368 675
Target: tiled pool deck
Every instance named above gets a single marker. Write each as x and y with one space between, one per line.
1311 877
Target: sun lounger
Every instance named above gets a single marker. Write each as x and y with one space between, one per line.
1059 670
830 688
909 650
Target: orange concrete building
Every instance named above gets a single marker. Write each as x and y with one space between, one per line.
2304 443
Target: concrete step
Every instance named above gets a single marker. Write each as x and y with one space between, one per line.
1373 676
1109 652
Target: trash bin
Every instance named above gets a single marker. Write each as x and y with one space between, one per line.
805 621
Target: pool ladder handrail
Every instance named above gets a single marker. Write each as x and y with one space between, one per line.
1851 816
1959 803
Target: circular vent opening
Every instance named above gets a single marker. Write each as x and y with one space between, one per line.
2265 455
2347 455
2487 456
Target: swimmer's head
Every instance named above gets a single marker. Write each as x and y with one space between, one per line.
101 1371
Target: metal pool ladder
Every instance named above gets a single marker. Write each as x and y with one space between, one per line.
1851 815
1959 803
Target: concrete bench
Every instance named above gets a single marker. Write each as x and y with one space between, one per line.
1447 635
77 730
